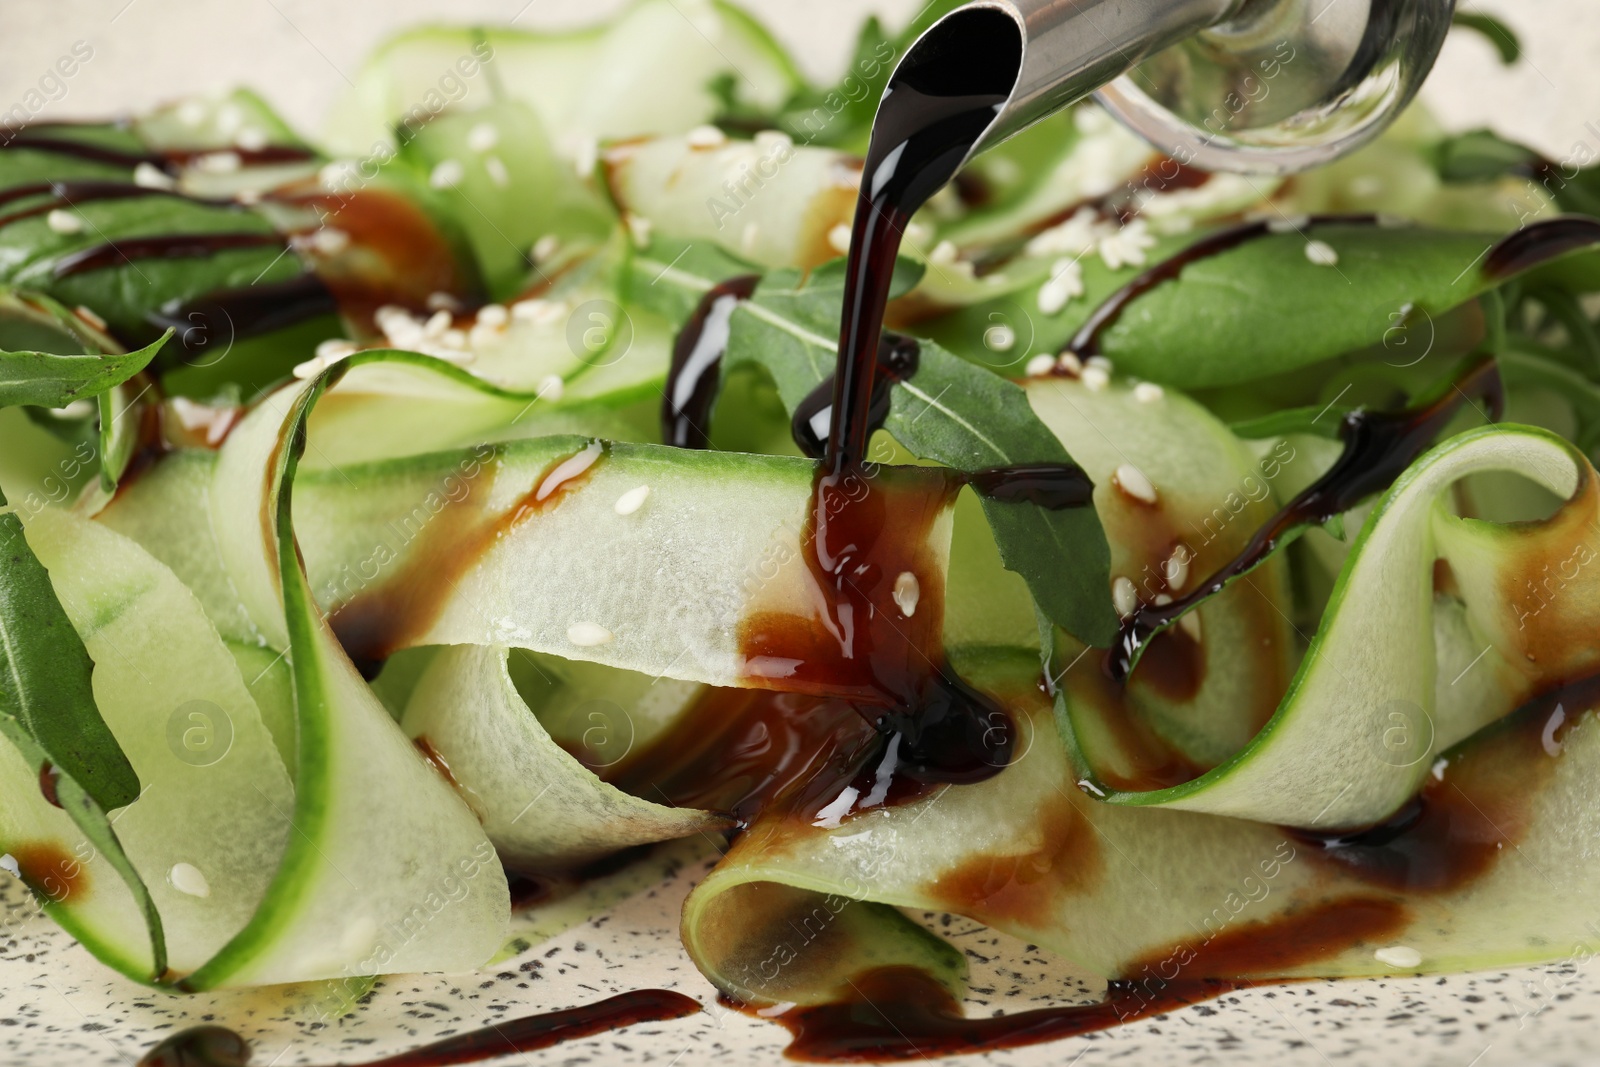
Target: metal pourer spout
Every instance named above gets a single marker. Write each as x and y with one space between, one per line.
1255 86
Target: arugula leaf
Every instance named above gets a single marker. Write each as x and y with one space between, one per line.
1483 155
951 412
1496 32
48 711
1265 307
53 380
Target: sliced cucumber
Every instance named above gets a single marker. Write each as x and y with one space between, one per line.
208 829
542 808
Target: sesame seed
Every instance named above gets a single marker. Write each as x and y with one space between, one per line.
436 325
309 369
839 238
907 591
589 635
64 221
446 174
493 315
150 176
1065 283
640 228
186 878
1176 569
1040 365
1132 481
552 387
218 162
1099 363
251 139
1321 253
248 197
443 302
335 348
497 172
1288 224
546 246
483 137
1402 956
631 501
482 334
1095 379
1124 597
539 312
1162 600
706 137
1148 392
944 253
330 242
1068 363
455 339
78 409
1190 624
1001 338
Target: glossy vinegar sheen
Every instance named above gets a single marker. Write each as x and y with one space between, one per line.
215 1046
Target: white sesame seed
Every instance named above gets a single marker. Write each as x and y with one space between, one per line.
1095 379
309 369
1288 224
1162 600
640 228
1402 956
1124 597
1001 338
1040 365
186 878
78 409
64 221
552 387
483 137
839 238
334 349
631 501
706 137
944 253
446 174
436 325
251 139
482 335
150 176
1148 393
333 175
1099 363
330 242
1321 253
539 312
493 315
443 302
1132 481
918 233
218 162
589 634
546 246
585 156
88 315
1176 569
907 591
496 169
1065 284
454 339
1069 363
1190 624
248 197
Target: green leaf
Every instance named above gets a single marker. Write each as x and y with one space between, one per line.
1483 155
48 711
1494 31
951 412
1264 307
52 380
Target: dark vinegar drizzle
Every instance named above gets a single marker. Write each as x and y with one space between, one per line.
87 191
1378 447
812 424
215 1046
49 774
1086 342
1539 243
696 361
164 246
865 532
207 323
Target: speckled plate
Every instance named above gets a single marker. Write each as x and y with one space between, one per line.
59 1008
